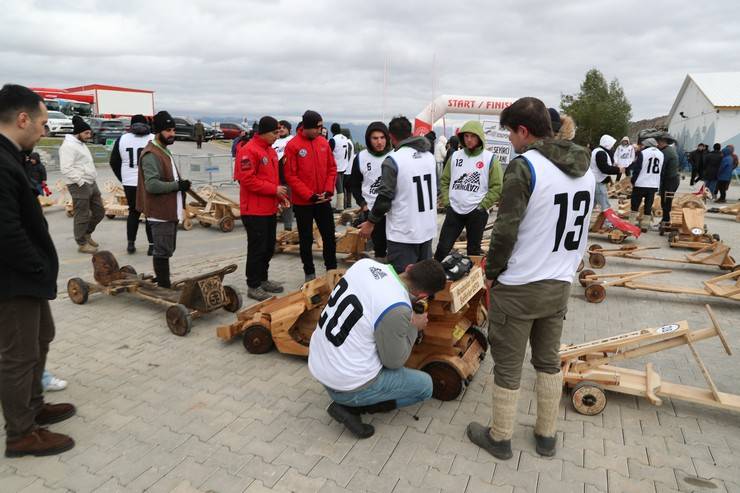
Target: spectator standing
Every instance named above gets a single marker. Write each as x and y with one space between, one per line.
712 162
724 175
199 131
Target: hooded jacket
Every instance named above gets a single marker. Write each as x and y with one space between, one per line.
356 177
570 158
601 157
75 162
669 171
712 162
309 168
256 169
495 174
726 166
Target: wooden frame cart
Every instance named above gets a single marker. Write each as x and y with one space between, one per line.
717 255
348 242
725 286
732 209
210 208
608 224
117 206
589 369
450 350
188 298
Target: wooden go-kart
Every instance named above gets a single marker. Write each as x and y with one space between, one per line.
187 299
450 350
210 208
726 286
117 206
687 228
608 224
589 369
716 255
348 242
732 210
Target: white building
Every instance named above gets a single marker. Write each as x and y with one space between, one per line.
707 109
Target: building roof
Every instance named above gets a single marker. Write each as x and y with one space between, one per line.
102 87
722 89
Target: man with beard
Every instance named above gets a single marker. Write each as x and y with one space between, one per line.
365 179
29 263
124 161
160 194
77 165
310 171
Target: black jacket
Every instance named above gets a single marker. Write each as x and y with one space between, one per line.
28 259
712 161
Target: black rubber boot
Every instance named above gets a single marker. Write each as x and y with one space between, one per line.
162 271
150 250
379 407
545 445
131 248
481 436
350 420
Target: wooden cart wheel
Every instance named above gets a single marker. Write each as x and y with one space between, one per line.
204 224
617 238
597 260
110 216
595 293
481 338
582 277
595 246
588 398
581 265
78 290
715 237
187 224
447 383
226 224
128 269
179 320
105 267
258 339
234 299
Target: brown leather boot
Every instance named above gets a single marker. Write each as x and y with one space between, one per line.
54 413
39 442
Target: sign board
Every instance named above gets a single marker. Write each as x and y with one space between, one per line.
463 290
212 169
497 141
109 144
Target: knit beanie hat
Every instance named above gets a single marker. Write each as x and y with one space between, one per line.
138 119
79 124
267 124
163 121
311 119
554 119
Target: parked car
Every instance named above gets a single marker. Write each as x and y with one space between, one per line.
231 130
185 129
59 123
106 129
213 133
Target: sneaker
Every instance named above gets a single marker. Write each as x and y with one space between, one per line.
38 442
310 277
55 384
258 294
271 287
87 248
91 242
54 413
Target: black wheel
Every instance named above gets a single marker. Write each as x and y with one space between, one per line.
715 237
226 224
588 398
204 224
594 247
128 269
78 290
481 338
672 236
595 293
597 260
179 320
447 383
582 277
258 339
110 216
234 299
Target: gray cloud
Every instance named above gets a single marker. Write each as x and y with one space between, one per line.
256 57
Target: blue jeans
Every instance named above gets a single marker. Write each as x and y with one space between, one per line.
405 386
602 196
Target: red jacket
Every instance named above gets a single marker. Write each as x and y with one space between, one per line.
309 168
256 168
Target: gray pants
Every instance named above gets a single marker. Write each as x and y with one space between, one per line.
401 255
164 235
27 330
88 209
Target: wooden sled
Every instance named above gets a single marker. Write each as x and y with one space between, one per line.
450 350
209 209
732 210
716 255
188 298
589 369
725 286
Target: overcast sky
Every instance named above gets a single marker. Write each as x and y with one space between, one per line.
281 57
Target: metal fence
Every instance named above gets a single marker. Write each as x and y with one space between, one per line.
213 169
50 155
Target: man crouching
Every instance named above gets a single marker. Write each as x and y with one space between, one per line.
365 335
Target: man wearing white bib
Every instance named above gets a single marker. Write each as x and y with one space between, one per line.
407 198
471 184
365 179
124 161
645 173
624 155
341 147
365 335
602 167
537 242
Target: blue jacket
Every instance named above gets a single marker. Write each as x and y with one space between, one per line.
725 167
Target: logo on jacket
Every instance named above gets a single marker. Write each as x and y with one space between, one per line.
479 165
467 182
377 273
245 164
374 187
303 153
265 160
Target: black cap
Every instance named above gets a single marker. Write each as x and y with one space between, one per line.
554 119
138 119
267 124
79 124
311 119
163 121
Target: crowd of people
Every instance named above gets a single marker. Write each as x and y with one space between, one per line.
369 326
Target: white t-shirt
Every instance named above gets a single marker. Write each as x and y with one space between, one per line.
554 231
413 215
342 354
129 147
341 152
624 155
652 163
468 180
370 167
279 145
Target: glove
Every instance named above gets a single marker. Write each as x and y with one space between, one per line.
183 185
315 197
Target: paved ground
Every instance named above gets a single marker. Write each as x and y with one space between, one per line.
162 413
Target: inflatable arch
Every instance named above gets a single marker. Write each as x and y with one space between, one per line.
446 103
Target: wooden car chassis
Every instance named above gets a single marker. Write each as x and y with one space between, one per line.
716 254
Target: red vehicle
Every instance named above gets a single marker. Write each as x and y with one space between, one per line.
231 130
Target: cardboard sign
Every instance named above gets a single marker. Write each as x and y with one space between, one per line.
463 290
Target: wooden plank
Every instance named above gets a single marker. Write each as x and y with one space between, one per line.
463 290
652 384
623 341
704 370
718 329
